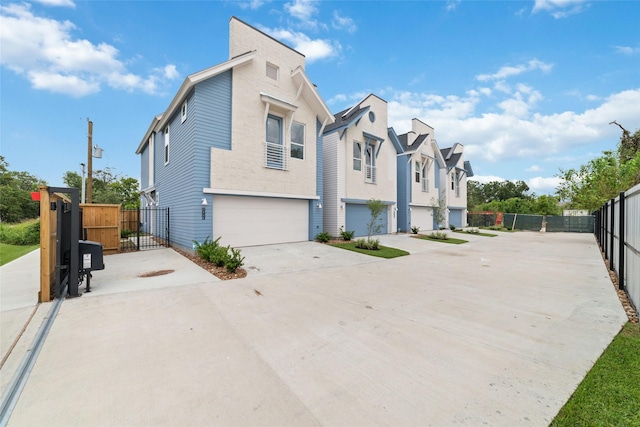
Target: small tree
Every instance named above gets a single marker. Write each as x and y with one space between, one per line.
439 209
376 207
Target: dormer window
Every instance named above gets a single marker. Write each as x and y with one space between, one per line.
272 71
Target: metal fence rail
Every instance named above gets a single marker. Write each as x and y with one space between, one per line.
145 228
617 230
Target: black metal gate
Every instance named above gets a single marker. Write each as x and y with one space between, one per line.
145 228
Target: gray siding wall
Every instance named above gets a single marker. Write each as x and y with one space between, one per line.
404 193
331 198
315 213
179 183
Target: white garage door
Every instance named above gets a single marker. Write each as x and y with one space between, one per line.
422 217
249 221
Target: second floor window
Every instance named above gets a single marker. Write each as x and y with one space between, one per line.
166 145
425 180
297 140
417 171
357 156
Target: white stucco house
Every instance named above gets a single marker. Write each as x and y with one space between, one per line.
359 165
238 152
454 184
419 163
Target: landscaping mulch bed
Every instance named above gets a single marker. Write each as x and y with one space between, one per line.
622 295
220 272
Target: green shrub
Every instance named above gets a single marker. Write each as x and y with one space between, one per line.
323 237
369 244
452 227
439 235
125 233
234 260
206 248
220 256
22 234
415 229
346 235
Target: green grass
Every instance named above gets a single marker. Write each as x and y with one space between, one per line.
383 252
450 240
10 252
609 395
477 234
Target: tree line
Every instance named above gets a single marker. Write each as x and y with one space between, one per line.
16 187
509 196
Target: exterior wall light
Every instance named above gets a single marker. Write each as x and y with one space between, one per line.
204 208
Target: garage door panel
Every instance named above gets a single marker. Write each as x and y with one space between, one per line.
247 221
422 217
358 216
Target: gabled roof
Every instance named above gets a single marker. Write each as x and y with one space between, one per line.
310 94
346 118
450 158
188 84
152 126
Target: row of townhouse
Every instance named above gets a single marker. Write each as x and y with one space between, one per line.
248 151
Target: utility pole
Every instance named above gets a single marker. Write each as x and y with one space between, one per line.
83 198
89 159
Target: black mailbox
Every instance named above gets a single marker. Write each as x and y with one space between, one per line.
90 256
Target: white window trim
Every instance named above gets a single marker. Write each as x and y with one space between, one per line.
166 152
359 158
152 156
183 112
370 169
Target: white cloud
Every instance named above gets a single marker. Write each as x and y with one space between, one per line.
626 50
514 130
302 9
560 8
452 5
312 49
340 22
533 168
540 185
252 4
62 3
509 71
46 53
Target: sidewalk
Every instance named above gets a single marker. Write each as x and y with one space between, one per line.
498 331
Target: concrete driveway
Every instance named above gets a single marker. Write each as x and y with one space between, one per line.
498 331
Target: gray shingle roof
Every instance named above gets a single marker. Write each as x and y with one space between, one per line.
343 119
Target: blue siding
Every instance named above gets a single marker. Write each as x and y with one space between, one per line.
213 112
315 213
455 217
358 216
404 193
179 183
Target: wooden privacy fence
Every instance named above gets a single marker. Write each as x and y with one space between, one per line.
48 237
101 223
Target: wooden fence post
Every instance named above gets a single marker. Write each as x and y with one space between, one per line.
44 295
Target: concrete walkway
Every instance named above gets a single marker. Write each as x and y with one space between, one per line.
498 331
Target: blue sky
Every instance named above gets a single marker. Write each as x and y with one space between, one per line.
527 87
